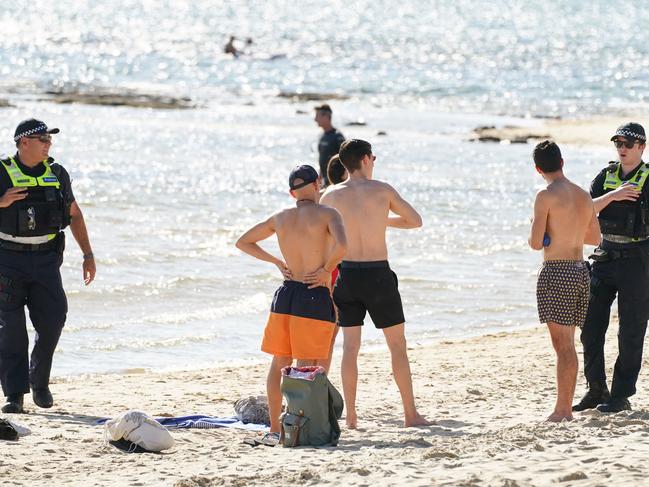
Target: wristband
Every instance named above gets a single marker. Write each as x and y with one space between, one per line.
88 256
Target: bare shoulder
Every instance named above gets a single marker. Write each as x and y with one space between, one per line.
383 188
328 212
544 195
280 215
330 192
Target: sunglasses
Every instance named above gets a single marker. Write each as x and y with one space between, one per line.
45 138
628 143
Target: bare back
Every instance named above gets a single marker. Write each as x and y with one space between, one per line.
570 212
304 237
364 206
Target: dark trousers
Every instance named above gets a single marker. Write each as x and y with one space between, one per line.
31 279
628 279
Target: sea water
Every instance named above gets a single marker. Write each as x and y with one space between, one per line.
166 193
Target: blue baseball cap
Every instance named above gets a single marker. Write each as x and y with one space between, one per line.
302 176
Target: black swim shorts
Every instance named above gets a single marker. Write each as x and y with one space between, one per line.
368 287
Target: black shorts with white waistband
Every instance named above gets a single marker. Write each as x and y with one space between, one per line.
368 287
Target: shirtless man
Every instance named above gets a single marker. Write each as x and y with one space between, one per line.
366 283
564 220
301 323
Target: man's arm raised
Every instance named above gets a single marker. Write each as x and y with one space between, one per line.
248 244
593 234
626 192
322 276
540 220
407 215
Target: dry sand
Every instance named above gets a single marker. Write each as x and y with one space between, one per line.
488 397
591 131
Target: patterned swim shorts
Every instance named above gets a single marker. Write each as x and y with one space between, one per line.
562 291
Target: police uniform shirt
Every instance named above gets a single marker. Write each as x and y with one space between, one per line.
597 190
597 186
36 171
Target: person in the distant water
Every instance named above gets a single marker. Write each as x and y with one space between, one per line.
330 140
564 220
230 47
312 241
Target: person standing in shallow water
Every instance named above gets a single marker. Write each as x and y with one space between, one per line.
564 219
329 142
620 268
366 284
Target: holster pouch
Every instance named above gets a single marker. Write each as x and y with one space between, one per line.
60 242
6 283
600 255
292 426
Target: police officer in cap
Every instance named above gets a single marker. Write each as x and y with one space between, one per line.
620 268
37 203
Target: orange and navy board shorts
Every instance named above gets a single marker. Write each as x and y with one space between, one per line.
301 322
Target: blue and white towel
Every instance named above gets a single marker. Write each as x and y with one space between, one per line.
202 422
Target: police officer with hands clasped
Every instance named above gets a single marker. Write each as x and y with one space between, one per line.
37 203
620 193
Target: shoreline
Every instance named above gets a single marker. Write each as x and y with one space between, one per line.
595 130
488 397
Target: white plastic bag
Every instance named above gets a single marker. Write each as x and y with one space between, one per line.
141 429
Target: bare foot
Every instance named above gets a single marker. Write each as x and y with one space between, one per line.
351 420
417 420
558 417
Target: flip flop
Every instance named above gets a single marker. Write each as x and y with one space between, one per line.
269 439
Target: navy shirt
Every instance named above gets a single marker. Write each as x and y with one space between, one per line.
328 147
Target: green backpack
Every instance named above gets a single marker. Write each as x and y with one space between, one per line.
314 407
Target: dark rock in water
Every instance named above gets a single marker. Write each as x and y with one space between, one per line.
518 140
301 112
381 132
124 98
356 123
486 138
509 134
311 96
5 103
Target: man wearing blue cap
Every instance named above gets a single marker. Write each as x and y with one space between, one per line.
37 203
301 324
620 269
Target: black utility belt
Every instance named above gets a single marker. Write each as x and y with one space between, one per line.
25 247
374 264
600 255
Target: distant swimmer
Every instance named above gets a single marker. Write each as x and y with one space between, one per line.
366 283
329 142
231 49
564 220
312 242
620 269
